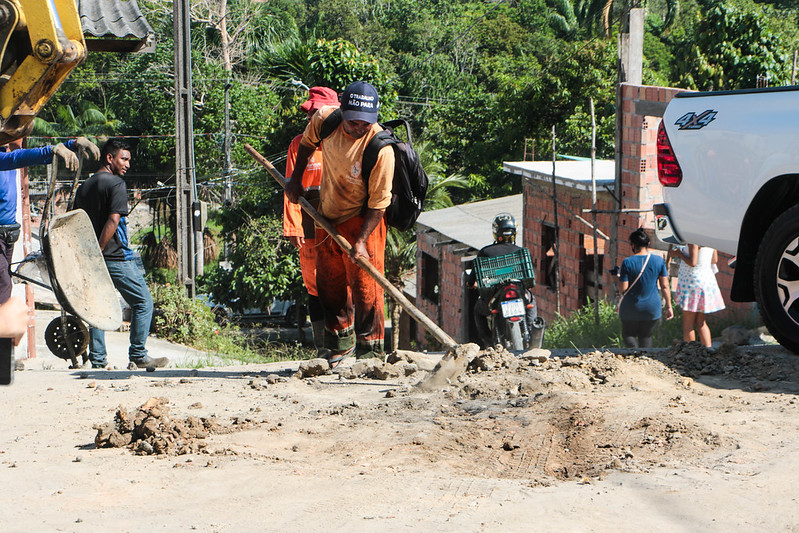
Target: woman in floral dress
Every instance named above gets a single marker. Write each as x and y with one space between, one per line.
697 290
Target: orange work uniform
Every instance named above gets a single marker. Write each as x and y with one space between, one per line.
293 214
351 299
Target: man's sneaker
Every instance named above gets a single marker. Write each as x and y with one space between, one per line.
150 362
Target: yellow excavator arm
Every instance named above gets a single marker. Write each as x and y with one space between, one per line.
41 43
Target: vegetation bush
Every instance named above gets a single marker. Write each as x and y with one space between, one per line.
580 330
181 319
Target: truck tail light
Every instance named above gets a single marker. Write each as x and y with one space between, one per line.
669 171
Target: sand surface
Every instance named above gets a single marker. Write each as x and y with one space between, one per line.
678 440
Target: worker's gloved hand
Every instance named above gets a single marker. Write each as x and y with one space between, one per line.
69 157
90 149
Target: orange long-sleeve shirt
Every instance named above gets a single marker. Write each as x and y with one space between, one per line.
311 178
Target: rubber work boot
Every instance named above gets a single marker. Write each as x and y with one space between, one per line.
318 329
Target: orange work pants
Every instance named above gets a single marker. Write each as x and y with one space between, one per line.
351 300
308 265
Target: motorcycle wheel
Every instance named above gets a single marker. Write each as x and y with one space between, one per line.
513 332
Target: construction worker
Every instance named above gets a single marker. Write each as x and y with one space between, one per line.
298 226
104 197
351 300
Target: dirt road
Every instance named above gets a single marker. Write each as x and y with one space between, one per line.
677 440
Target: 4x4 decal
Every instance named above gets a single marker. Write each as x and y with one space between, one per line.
692 121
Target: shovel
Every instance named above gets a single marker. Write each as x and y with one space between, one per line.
456 357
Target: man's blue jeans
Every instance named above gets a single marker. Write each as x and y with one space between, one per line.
130 283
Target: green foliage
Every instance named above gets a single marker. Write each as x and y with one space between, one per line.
187 321
331 63
179 318
580 330
730 49
265 267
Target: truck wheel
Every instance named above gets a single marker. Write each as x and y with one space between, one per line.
777 279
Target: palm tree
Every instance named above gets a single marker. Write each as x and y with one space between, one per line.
563 18
599 13
90 121
401 246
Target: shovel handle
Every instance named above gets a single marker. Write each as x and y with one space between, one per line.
440 335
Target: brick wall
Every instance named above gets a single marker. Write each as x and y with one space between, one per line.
450 311
538 212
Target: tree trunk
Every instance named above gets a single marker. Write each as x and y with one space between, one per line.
396 313
223 34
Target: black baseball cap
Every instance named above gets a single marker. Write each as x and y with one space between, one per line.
359 101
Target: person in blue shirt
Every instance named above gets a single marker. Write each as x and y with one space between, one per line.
9 162
640 306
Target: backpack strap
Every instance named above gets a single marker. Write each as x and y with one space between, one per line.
381 139
330 124
394 124
376 143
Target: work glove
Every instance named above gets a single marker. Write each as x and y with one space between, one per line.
69 157
90 149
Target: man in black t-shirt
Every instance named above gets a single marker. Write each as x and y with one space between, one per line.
104 197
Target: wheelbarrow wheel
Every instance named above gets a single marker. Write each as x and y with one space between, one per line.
67 337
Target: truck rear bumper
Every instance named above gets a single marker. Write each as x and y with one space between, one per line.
664 229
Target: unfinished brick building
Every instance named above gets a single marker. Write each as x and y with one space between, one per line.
444 255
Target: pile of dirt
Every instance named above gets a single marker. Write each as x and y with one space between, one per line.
533 417
151 431
743 363
530 417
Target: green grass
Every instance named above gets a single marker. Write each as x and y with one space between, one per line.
580 330
190 322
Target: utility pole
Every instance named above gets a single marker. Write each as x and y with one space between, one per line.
593 209
187 207
629 70
556 247
227 148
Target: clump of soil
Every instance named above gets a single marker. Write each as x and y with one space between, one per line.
692 359
151 431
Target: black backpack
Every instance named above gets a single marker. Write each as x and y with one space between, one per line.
409 186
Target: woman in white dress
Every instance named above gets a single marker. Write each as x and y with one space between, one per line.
697 290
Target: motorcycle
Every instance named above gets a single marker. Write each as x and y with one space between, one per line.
513 318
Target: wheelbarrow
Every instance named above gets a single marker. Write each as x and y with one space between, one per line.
78 277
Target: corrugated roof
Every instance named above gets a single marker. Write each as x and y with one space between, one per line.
471 223
575 174
116 25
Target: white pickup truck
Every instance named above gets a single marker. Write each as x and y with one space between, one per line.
729 165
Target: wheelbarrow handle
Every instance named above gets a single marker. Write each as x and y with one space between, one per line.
26 279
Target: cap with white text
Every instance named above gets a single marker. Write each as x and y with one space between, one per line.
360 102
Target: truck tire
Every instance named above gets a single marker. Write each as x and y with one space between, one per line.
776 279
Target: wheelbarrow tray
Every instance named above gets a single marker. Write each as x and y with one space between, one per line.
78 275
